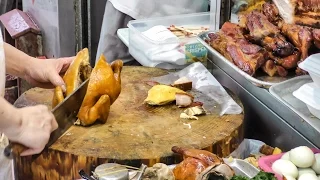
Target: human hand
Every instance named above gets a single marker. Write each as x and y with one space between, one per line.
46 73
33 128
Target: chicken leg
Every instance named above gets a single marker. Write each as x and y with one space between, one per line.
103 89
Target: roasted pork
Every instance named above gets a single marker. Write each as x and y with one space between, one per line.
301 12
300 36
263 32
231 43
271 11
270 68
183 83
316 37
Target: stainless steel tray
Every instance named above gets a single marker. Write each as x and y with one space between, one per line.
260 79
283 92
240 167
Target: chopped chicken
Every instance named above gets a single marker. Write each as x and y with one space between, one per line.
184 99
266 34
193 112
162 95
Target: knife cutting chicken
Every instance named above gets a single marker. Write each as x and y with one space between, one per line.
273 36
103 89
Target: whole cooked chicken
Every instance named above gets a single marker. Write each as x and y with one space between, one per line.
103 89
78 72
198 164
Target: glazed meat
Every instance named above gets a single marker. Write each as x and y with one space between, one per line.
300 36
231 43
103 89
189 169
266 34
206 157
316 37
78 72
198 164
301 12
270 68
271 11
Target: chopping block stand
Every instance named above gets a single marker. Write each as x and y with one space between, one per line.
135 133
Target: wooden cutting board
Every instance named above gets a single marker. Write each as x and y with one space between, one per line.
135 133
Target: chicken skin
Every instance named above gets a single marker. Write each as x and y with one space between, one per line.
103 89
195 161
77 73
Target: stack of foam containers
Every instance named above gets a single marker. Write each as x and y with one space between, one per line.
310 93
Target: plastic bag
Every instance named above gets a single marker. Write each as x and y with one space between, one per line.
214 97
247 147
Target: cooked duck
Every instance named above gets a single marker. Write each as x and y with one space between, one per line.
103 89
78 72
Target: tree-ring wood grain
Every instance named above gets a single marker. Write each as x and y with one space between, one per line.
135 133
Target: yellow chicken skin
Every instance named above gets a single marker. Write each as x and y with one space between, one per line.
162 94
78 71
103 89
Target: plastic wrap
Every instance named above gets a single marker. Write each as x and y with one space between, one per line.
205 88
247 147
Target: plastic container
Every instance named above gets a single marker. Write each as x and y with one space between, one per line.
312 65
140 44
265 163
309 94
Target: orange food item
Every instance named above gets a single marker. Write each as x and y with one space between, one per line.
103 89
78 71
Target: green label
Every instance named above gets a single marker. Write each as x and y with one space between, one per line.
195 52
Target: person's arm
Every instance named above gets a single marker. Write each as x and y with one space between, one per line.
41 73
29 126
17 62
8 120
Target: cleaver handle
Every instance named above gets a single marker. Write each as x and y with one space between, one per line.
14 149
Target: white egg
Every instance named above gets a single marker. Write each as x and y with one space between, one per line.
316 164
302 157
285 156
308 177
305 171
289 177
318 176
285 167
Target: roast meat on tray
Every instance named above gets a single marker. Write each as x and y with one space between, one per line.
264 40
